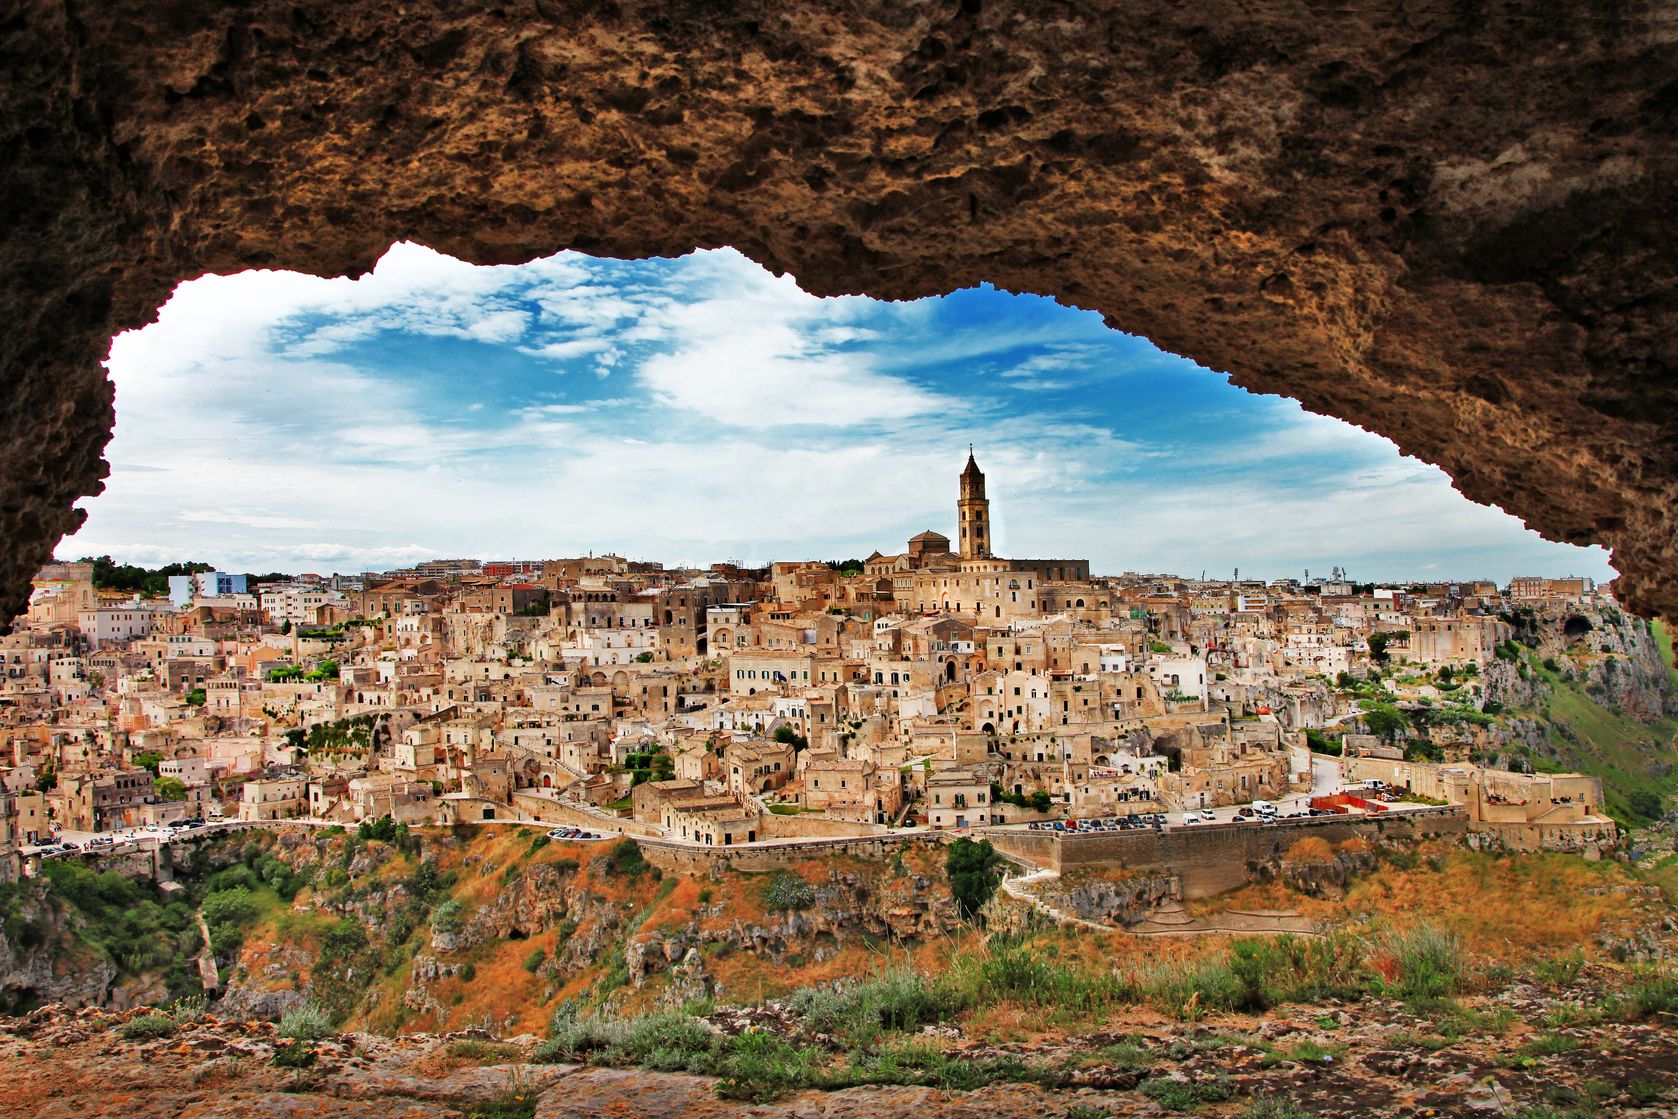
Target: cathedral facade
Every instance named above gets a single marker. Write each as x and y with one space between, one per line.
930 577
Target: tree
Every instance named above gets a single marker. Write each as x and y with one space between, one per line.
1423 750
151 759
1645 804
1378 646
170 788
326 670
789 737
232 907
1383 720
1319 743
110 575
196 697
975 870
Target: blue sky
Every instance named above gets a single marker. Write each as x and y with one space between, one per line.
702 409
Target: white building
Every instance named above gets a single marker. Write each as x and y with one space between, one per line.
105 625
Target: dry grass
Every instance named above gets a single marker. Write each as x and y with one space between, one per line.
1514 909
1311 849
1508 908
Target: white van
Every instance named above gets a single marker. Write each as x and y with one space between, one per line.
1264 808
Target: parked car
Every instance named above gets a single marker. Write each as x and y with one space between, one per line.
1208 815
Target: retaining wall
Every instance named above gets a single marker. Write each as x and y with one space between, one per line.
686 858
1213 858
550 811
772 826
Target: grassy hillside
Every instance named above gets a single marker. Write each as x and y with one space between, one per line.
1630 756
567 955
528 926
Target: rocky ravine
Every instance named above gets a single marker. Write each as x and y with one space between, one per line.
565 901
1334 1061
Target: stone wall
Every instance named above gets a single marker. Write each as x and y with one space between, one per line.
771 826
550 811
1590 838
685 858
1214 858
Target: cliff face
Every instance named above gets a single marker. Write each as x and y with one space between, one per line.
39 962
1591 691
1447 225
497 929
1123 899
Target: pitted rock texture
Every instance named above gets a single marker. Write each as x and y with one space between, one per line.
77 1065
1449 224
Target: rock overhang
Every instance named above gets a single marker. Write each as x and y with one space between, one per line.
1452 228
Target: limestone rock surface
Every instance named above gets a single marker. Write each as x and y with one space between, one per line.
1450 224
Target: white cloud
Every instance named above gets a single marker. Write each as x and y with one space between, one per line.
753 421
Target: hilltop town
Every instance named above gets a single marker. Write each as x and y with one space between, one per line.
942 687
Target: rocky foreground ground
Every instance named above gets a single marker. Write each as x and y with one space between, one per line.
1513 1056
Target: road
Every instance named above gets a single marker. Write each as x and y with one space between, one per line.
1325 781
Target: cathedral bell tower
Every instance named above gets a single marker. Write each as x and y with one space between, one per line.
973 512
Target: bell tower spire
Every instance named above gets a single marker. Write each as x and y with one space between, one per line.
973 511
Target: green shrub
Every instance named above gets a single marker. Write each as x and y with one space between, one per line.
515 1102
537 957
787 891
571 1038
1030 977
1274 970
1645 804
1187 989
1650 992
1562 970
147 1027
1274 1107
669 1042
306 1023
975 872
468 972
487 1052
1186 1095
626 860
1549 1044
448 918
761 1066
1305 1052
294 1054
1645 1093
896 998
1427 962
233 907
